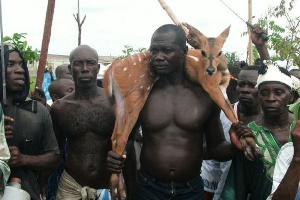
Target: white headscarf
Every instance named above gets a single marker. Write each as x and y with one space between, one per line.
271 73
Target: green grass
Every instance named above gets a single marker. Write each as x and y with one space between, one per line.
32 82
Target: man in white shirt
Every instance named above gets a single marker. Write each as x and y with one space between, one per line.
286 173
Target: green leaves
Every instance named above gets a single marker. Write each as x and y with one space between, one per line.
294 108
284 41
130 51
18 40
232 57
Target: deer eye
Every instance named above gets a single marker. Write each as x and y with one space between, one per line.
220 53
203 53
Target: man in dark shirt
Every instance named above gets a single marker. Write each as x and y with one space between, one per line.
28 127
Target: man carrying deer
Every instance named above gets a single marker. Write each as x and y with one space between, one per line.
175 118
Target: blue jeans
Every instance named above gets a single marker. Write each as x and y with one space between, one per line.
150 188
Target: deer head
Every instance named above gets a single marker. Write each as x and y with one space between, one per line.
211 48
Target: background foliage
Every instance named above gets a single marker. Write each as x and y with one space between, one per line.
18 39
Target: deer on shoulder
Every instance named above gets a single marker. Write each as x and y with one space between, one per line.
130 80
211 50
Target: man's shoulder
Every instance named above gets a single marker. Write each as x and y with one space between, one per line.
35 108
29 105
61 103
286 154
101 92
287 149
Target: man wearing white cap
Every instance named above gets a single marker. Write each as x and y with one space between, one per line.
253 179
286 178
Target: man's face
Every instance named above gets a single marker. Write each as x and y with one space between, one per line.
84 68
247 92
15 74
237 64
166 54
274 98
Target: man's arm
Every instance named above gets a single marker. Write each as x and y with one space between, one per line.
259 43
46 161
55 116
48 157
126 163
288 186
216 146
115 162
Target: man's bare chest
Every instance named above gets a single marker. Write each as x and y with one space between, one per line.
83 118
185 109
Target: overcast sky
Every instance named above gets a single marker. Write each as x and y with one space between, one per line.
111 24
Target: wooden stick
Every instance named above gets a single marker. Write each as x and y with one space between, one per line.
45 43
173 16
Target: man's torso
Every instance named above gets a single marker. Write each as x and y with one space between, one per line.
30 130
172 121
88 126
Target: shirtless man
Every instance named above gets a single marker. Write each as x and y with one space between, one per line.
62 71
86 118
174 120
60 88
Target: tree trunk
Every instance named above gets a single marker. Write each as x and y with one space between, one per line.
79 27
77 18
79 35
45 43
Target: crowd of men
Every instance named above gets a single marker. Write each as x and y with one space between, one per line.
64 150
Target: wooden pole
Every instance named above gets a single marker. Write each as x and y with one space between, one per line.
45 43
2 61
173 16
250 46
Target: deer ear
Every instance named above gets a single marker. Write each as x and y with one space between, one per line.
225 33
193 31
195 37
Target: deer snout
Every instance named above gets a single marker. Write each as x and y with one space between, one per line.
210 71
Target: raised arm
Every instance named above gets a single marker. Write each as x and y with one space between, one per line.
260 43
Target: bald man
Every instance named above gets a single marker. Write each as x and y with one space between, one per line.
60 88
85 118
62 71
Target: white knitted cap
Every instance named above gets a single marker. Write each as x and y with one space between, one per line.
271 73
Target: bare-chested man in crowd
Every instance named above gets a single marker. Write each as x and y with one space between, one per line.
60 88
62 71
177 115
86 118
